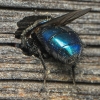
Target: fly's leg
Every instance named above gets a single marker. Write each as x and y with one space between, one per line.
43 89
73 75
29 46
73 78
36 50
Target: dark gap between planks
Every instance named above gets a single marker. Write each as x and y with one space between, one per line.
84 1
40 9
49 81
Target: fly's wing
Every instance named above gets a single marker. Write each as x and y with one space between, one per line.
67 18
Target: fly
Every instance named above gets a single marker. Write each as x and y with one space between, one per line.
53 37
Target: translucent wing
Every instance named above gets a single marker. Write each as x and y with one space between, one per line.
67 18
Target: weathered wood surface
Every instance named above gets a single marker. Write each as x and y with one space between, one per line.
88 24
51 4
21 75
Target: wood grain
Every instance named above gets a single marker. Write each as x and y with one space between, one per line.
11 55
29 91
44 4
21 76
9 21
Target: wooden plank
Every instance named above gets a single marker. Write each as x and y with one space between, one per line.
21 76
80 28
86 39
94 1
44 4
88 24
4 50
90 39
16 15
30 67
29 91
10 27
83 75
90 1
28 59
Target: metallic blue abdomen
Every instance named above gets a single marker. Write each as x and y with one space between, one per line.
61 42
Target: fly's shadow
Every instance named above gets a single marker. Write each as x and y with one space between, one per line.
25 22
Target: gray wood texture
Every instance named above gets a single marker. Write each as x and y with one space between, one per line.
21 76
